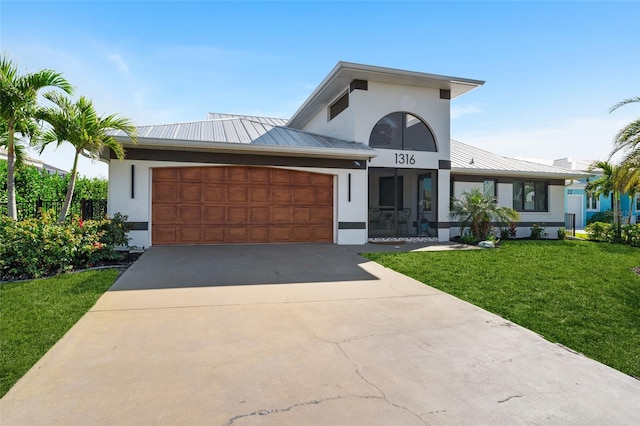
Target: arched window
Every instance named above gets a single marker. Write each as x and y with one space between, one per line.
401 130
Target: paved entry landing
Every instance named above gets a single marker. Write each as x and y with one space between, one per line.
191 346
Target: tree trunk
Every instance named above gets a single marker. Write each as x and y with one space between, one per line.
12 211
72 183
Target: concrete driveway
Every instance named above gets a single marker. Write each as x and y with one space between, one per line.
304 334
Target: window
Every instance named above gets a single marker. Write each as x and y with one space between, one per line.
388 193
530 196
489 188
338 106
593 202
402 131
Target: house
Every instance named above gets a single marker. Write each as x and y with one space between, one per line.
39 164
583 205
368 154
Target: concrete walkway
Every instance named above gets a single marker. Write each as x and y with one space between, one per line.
317 335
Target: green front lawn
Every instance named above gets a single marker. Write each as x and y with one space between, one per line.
581 294
37 313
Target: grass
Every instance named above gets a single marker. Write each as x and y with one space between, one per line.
581 294
37 313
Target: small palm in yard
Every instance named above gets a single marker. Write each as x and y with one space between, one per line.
79 124
478 211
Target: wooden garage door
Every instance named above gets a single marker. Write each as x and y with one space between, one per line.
213 205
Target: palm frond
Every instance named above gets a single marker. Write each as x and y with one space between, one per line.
625 102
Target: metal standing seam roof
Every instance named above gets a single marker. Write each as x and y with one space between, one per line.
468 159
222 129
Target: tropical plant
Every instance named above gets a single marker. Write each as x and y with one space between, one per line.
18 108
616 180
478 212
79 124
628 138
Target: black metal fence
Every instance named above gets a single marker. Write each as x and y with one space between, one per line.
570 223
85 209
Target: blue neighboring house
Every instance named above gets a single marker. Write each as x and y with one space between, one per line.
576 200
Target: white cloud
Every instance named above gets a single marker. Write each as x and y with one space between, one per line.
581 137
458 111
119 62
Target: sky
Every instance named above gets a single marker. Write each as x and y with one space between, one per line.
552 69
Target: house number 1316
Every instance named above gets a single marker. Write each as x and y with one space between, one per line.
405 159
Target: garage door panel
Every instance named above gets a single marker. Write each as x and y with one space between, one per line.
213 214
324 196
236 204
301 233
190 214
238 174
163 191
259 234
259 215
213 174
190 174
281 195
318 179
281 234
214 194
304 195
170 174
165 213
260 194
281 177
301 214
321 215
164 234
213 235
188 234
281 214
237 215
321 233
259 176
238 194
237 234
189 193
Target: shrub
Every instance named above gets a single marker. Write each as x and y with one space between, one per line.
468 238
513 229
34 248
631 234
600 231
537 232
604 217
505 234
562 233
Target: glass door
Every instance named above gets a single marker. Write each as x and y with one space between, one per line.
426 204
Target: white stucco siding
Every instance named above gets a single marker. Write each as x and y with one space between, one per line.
138 208
367 107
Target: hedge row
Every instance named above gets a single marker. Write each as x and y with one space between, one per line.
33 248
601 231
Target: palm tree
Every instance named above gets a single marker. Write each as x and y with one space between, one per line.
19 153
628 138
616 180
478 212
18 107
79 124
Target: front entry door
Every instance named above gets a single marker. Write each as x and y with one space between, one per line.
426 205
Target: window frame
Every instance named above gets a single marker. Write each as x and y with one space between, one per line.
404 143
589 204
339 105
522 203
